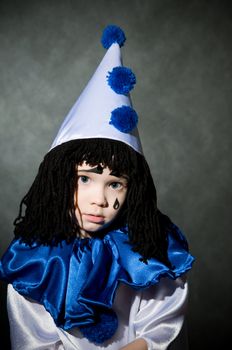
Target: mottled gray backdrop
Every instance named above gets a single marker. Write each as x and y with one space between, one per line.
181 52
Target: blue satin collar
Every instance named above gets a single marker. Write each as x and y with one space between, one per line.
76 282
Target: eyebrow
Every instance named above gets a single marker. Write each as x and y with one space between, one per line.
99 170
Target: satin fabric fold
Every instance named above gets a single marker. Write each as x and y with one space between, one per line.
76 282
155 314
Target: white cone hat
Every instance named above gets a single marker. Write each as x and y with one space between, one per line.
104 108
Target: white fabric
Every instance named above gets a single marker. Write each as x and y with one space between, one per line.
155 314
90 115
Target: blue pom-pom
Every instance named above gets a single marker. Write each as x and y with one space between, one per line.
121 80
112 34
103 329
124 119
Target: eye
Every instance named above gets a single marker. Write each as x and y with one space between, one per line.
116 185
83 179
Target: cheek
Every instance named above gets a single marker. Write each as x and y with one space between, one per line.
123 197
80 198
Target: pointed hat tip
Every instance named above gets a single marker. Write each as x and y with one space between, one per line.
112 34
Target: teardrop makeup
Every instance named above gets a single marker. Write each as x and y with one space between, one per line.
116 204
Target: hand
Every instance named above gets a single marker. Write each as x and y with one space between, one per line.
138 344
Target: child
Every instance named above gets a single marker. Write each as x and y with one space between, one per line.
94 263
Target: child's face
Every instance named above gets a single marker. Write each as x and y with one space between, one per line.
99 197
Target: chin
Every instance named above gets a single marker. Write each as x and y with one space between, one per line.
93 229
97 232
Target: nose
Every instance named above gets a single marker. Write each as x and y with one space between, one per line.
99 198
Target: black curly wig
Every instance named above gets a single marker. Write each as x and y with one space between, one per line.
49 215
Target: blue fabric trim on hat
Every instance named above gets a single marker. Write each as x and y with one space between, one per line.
113 34
121 80
124 119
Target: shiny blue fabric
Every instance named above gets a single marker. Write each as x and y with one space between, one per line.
77 282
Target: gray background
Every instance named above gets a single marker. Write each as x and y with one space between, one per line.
181 54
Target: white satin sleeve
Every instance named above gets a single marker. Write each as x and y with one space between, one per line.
160 317
31 326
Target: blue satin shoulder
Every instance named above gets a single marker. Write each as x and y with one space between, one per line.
77 281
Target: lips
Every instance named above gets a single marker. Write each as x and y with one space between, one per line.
97 219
